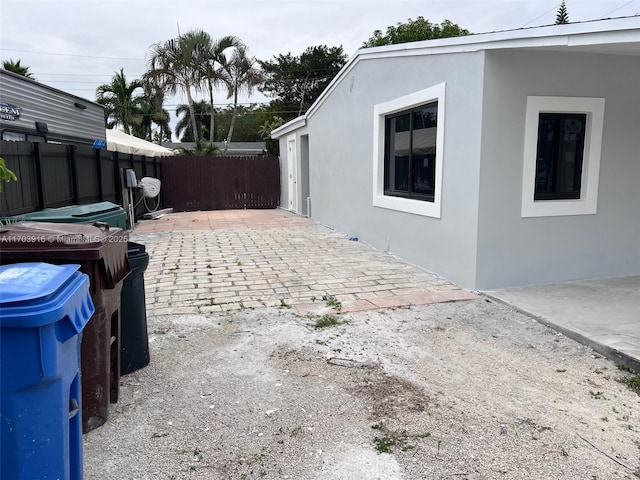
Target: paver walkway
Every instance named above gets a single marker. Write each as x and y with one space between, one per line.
216 261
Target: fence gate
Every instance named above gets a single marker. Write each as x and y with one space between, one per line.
220 183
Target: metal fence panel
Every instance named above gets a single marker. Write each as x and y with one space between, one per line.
57 175
20 196
87 175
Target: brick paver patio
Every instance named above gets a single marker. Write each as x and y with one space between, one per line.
217 261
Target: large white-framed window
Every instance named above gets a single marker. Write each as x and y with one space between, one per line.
562 148
408 144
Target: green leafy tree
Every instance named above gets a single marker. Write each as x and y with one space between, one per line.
201 149
151 114
6 175
15 67
244 76
202 112
154 113
296 82
414 31
563 16
265 130
269 126
247 123
123 102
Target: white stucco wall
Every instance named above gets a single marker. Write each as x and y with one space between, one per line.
519 251
341 161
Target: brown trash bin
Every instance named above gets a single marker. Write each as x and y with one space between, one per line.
101 252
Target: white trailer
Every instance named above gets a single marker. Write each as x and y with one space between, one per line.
31 111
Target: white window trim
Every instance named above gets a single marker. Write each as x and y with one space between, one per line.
588 201
380 111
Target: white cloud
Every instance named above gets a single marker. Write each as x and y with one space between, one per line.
76 45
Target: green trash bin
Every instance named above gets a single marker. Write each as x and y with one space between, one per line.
105 212
134 353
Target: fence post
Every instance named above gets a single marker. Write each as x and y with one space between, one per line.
99 165
116 178
71 157
39 184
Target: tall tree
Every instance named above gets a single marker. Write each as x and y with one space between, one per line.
414 31
244 76
202 112
151 113
211 62
122 102
296 81
173 66
247 123
563 16
15 67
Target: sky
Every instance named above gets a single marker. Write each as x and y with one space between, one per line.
77 45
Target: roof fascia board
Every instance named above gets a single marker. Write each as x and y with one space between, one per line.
289 127
598 32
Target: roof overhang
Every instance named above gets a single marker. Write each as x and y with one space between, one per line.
289 127
617 36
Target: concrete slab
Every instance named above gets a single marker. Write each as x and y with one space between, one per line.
604 314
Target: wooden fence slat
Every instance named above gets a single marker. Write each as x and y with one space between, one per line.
220 183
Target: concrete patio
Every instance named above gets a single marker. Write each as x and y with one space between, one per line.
603 314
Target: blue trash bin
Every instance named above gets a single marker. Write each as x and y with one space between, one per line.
43 309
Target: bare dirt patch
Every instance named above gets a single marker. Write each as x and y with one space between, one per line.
467 390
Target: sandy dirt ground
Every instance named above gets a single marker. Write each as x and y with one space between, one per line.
464 390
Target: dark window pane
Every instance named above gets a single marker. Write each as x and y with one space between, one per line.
410 144
559 156
401 174
423 149
398 149
423 174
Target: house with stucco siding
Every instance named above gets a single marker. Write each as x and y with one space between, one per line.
494 160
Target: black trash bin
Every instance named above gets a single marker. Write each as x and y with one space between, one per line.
101 252
134 353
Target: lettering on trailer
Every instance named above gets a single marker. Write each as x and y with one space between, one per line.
9 112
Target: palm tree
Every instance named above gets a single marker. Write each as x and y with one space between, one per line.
155 113
15 67
211 64
173 66
202 112
201 150
122 104
244 76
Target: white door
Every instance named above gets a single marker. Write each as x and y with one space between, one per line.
292 175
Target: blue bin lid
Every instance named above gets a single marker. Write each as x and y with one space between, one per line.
20 282
36 294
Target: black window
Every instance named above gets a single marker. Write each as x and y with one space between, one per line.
410 152
559 156
11 136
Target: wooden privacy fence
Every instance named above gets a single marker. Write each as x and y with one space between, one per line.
220 183
54 175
